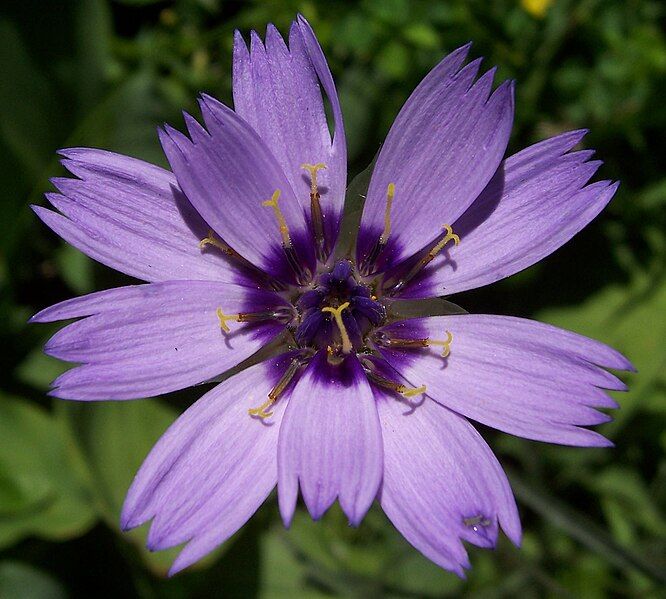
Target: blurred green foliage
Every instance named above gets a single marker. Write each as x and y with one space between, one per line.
106 73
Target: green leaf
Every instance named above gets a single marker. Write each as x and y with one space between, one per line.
113 439
282 573
422 35
393 60
28 103
94 31
23 581
631 319
39 370
628 503
581 528
353 210
76 269
41 492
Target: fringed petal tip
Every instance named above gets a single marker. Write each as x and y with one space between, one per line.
131 216
623 364
537 200
442 486
531 379
146 340
211 167
210 471
330 448
450 103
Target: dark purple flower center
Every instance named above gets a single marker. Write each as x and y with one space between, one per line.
338 305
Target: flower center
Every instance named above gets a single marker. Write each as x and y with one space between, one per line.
338 313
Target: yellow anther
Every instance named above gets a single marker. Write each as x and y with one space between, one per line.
406 392
313 169
261 412
284 230
224 317
390 192
337 314
450 236
212 240
279 388
446 345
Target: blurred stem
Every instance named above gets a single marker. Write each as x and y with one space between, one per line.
555 33
583 530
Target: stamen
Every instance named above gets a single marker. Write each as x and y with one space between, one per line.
279 314
450 236
284 230
382 381
212 240
390 192
407 392
445 344
315 208
387 341
277 391
428 258
313 169
261 410
337 314
369 260
224 317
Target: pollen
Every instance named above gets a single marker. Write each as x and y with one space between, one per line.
284 230
390 192
407 392
315 209
427 259
278 390
212 240
260 411
225 317
337 314
313 169
450 236
446 345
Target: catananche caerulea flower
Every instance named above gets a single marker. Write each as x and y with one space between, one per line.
350 402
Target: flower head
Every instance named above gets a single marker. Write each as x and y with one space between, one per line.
347 398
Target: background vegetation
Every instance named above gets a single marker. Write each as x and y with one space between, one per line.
106 73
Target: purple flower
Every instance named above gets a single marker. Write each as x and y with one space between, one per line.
344 399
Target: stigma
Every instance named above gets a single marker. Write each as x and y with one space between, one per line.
337 315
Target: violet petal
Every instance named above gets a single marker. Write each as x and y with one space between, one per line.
442 150
330 442
442 484
538 200
276 90
519 376
131 216
211 470
146 340
227 172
